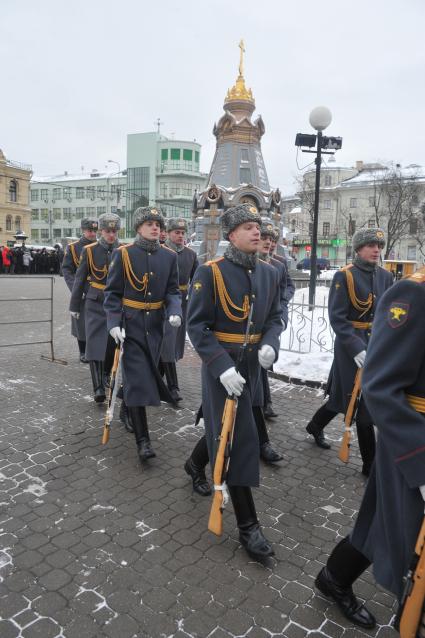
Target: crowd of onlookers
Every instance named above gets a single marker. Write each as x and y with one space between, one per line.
31 260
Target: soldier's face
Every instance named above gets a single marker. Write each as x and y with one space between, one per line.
370 252
246 237
149 230
90 234
177 237
273 245
109 235
265 243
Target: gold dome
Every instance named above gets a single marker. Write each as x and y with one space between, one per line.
239 91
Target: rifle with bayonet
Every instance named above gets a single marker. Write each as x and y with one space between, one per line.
222 460
112 394
412 601
344 450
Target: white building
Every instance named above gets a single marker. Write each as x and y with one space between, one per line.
59 203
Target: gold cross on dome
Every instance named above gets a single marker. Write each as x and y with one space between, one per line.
242 48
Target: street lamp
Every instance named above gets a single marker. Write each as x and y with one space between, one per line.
320 118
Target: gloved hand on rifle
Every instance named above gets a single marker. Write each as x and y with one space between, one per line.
175 321
360 359
76 315
422 488
266 356
118 334
232 381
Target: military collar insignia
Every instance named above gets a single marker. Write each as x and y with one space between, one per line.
398 313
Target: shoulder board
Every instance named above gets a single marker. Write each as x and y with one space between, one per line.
418 276
91 245
169 249
72 243
213 261
347 267
121 246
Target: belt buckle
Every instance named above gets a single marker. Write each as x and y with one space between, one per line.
148 305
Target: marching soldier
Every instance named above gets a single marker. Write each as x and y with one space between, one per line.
174 338
142 290
219 306
392 509
70 264
290 287
354 293
93 268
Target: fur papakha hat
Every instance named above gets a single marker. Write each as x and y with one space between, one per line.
365 236
176 223
147 214
109 221
236 216
89 224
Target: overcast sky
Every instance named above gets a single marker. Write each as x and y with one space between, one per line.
77 76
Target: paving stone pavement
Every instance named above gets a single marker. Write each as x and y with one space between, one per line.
94 545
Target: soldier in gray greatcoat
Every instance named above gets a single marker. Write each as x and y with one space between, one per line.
93 270
174 338
219 304
392 509
70 264
142 292
353 296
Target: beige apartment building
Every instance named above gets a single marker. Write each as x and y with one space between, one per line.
15 211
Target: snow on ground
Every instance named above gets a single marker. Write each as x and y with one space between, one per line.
306 346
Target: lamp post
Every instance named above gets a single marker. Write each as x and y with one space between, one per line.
118 185
320 118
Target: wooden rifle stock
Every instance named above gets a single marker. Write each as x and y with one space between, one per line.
215 521
344 450
108 415
409 614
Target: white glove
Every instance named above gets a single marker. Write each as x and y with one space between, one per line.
118 334
360 359
266 356
175 321
422 488
76 315
232 381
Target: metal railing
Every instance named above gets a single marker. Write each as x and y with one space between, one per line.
308 330
49 298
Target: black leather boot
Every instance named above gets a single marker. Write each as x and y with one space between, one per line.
267 452
172 383
140 427
317 432
251 536
195 468
269 412
82 349
96 369
125 417
344 597
367 445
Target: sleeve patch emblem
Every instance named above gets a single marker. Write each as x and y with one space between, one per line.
398 313
197 286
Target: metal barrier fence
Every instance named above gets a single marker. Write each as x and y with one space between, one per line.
308 330
49 320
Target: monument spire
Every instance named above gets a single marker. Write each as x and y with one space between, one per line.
239 92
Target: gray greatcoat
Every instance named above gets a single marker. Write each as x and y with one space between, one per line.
93 271
392 509
144 327
175 338
205 317
349 341
70 264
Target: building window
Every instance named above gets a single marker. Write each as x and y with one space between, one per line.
67 193
34 233
324 252
91 194
197 157
328 180
79 212
137 188
371 223
327 203
17 223
44 214
353 202
57 193
35 214
326 229
67 214
13 190
245 175
101 209
34 195
411 252
57 233
90 210
44 194
175 154
80 192
371 202
44 233
164 154
244 155
67 232
351 227
57 213
9 222
187 155
413 226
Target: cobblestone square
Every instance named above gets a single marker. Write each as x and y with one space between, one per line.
94 545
